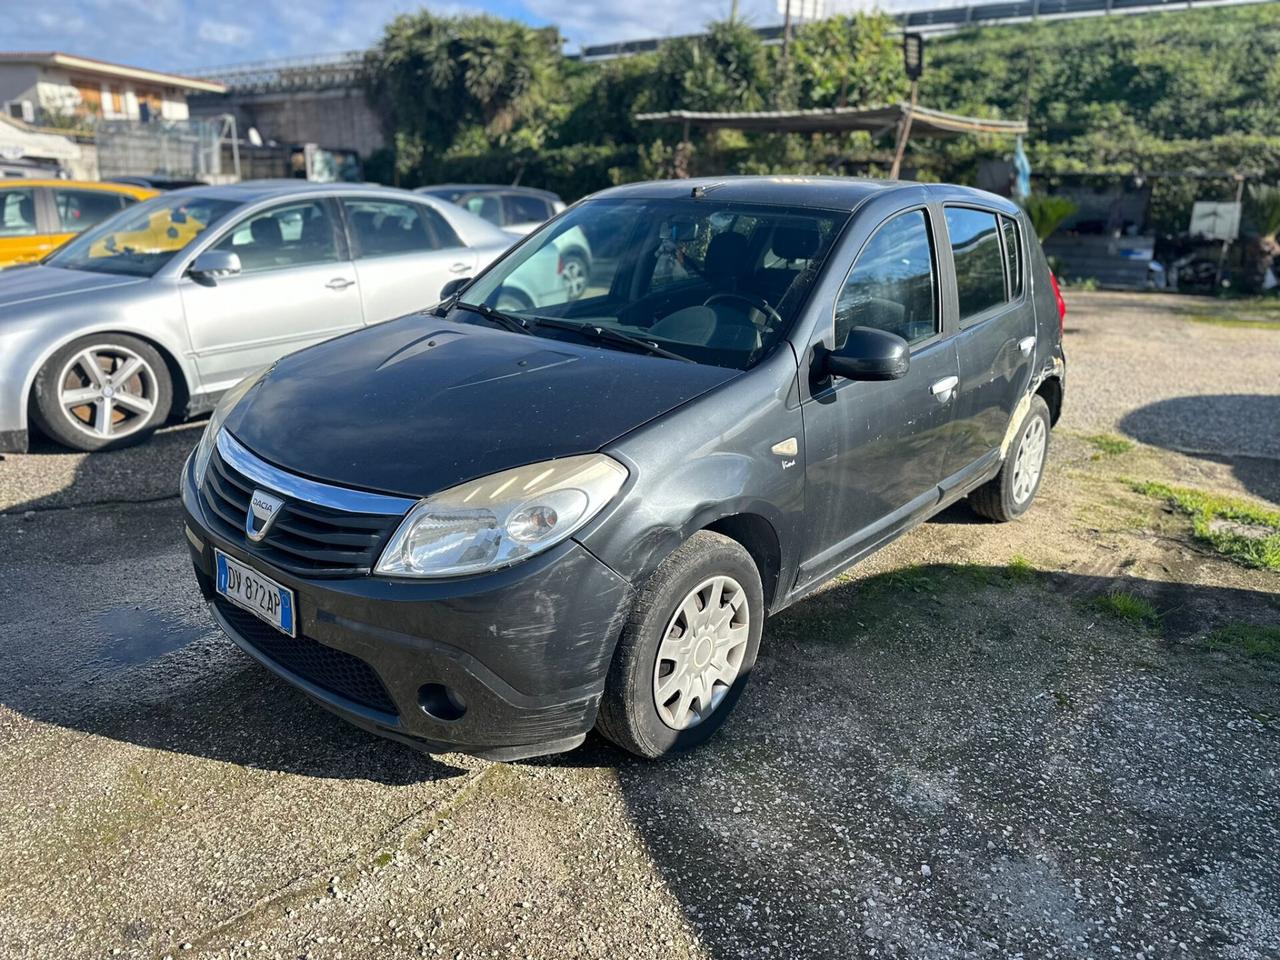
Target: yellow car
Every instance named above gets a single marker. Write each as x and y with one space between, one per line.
38 216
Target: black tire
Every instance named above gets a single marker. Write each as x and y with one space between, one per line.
995 499
152 382
628 710
509 298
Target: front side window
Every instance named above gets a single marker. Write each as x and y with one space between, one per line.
381 228
892 285
979 260
291 235
715 282
17 212
143 238
78 210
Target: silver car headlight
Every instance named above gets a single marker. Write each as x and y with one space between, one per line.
208 439
501 519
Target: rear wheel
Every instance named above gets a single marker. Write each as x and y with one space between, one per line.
102 392
687 650
576 274
1010 493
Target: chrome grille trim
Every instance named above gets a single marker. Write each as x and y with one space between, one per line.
299 488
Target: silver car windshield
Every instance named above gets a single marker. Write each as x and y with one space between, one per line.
714 282
142 239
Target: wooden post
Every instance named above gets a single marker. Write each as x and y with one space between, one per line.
1222 254
904 134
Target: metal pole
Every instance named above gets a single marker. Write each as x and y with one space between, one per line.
904 133
1222 254
786 33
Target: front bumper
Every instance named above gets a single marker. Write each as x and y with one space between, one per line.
525 650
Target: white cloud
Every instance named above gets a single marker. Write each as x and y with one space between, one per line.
228 34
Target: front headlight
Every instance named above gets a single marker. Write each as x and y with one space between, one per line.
501 519
204 450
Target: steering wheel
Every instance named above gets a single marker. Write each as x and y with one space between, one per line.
759 303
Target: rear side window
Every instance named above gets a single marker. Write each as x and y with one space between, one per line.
525 209
892 285
1012 256
81 209
485 206
384 228
979 260
17 212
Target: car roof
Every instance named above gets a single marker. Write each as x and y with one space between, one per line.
141 193
485 188
249 191
828 193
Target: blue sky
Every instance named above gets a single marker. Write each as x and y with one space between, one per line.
182 35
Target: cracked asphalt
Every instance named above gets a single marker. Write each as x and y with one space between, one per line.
939 755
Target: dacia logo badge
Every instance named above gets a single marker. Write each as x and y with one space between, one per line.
263 510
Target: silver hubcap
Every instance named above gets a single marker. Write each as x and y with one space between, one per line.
574 274
701 652
1029 461
107 391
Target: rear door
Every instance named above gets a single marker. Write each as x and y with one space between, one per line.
296 287
522 213
405 252
24 232
995 342
875 450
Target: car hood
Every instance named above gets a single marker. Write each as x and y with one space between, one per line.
20 285
421 404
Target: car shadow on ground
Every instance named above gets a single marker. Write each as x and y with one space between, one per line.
932 761
1238 430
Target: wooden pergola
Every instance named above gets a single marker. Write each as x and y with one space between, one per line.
906 117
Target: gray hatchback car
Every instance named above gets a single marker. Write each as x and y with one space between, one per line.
490 529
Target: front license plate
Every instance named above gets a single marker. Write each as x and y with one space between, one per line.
247 588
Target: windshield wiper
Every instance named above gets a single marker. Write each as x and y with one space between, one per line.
596 332
505 320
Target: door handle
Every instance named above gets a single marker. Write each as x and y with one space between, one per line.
1026 344
339 283
941 389
460 268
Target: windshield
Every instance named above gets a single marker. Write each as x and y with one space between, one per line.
714 282
142 239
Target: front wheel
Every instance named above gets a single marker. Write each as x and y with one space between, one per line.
687 650
102 392
1009 494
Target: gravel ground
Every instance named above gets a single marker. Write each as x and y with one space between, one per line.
939 756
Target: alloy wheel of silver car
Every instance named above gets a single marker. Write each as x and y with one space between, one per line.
701 652
574 274
107 391
1029 461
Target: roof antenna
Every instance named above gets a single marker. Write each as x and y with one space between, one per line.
697 192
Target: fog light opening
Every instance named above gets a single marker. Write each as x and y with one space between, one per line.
441 702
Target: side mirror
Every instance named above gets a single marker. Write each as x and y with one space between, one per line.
212 264
453 286
869 354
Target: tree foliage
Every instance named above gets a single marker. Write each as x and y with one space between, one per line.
848 61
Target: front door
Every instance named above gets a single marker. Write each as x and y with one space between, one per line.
995 343
875 449
295 288
405 252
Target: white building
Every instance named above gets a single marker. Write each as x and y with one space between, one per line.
52 88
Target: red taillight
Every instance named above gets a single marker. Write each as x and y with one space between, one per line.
1062 304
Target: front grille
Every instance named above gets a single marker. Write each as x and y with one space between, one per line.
306 538
334 670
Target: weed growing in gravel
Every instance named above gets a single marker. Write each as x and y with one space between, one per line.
1109 445
1240 323
1128 606
1251 639
1020 569
1242 531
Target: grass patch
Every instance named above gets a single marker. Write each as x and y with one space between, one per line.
1240 323
1260 552
1109 445
1124 605
1253 640
1020 569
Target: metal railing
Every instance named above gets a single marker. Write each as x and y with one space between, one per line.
318 72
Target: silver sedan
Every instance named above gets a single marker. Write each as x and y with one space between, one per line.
156 312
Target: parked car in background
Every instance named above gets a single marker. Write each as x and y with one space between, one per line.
37 216
158 182
161 309
514 209
490 530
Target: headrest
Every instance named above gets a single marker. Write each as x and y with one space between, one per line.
727 254
795 243
266 232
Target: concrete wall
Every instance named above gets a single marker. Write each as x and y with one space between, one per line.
338 118
18 81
